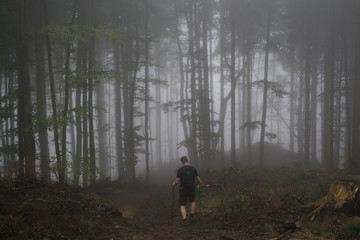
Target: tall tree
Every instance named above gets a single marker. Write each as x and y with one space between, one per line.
41 93
147 153
356 98
52 89
233 81
267 50
25 119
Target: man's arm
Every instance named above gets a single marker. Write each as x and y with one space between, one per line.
198 179
177 180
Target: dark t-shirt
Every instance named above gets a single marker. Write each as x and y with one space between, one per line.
187 175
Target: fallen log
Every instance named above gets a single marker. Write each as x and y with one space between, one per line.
342 201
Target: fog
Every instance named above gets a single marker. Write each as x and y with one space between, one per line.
121 89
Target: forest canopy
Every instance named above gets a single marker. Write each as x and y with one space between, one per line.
120 89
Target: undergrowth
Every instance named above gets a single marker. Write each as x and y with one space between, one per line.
350 230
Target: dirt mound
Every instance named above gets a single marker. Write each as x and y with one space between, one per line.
37 210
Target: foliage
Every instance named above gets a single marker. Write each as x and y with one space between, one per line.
9 149
275 87
6 113
83 33
350 230
174 106
80 77
184 143
270 136
58 120
251 125
160 82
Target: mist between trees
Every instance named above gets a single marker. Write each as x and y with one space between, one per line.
120 89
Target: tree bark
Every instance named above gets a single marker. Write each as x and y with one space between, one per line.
25 128
52 90
233 83
41 93
267 49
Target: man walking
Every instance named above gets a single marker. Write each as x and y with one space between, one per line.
186 175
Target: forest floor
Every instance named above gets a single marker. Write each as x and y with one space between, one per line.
234 204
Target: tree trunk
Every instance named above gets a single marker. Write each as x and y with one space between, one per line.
233 83
263 121
314 97
328 160
63 165
206 103
147 119
249 92
91 70
118 115
52 91
292 97
307 103
193 132
340 202
356 97
41 94
183 106
25 129
85 146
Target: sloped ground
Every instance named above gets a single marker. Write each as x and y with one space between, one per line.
235 204
36 210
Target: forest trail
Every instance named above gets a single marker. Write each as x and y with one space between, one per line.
243 205
150 210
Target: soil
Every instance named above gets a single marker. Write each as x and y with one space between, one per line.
228 210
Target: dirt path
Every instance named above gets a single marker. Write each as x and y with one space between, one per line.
150 210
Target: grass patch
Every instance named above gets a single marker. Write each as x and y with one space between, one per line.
350 231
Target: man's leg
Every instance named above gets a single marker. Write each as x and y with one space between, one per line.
183 211
192 207
182 201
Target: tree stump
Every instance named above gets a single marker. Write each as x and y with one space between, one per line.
342 201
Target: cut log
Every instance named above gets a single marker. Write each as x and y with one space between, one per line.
340 202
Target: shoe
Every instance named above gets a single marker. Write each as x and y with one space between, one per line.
192 218
184 222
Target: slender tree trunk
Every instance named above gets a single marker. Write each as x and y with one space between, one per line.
348 163
85 146
25 129
52 91
63 164
206 103
12 163
356 97
118 115
249 94
292 97
314 97
147 119
183 106
300 117
328 136
267 49
79 137
102 128
41 94
307 104
221 133
233 84
194 132
91 91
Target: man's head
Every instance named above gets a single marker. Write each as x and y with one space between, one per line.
184 160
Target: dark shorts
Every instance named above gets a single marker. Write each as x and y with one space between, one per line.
186 194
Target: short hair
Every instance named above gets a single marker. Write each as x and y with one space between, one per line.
184 159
